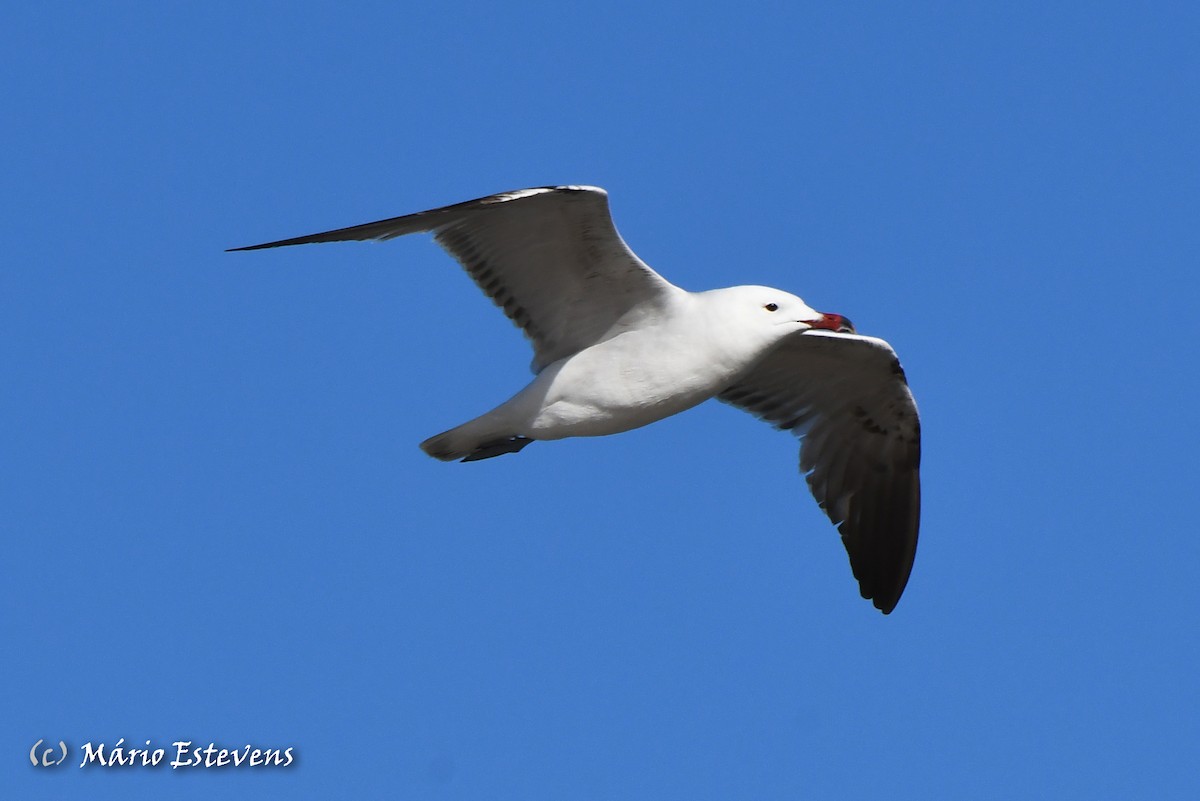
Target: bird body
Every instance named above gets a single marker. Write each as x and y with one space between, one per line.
637 374
616 347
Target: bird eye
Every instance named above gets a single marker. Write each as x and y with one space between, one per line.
772 307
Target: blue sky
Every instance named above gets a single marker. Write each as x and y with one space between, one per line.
218 527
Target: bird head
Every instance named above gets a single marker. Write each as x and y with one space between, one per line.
775 313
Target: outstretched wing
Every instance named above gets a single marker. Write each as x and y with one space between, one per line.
847 397
550 257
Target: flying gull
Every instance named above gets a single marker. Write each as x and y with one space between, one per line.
616 346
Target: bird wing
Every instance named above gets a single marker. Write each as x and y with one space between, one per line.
550 257
847 398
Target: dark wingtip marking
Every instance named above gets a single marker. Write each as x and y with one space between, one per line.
313 239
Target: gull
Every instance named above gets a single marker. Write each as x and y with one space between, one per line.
616 346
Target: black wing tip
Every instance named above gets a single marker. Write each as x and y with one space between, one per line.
882 573
343 234
880 536
884 603
882 584
883 566
881 581
297 240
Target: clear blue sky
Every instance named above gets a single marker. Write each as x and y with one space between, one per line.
217 525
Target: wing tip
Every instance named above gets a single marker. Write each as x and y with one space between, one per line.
299 240
884 603
882 582
883 587
883 565
357 231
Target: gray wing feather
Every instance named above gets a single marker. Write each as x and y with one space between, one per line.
847 398
550 257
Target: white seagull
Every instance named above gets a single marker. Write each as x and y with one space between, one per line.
616 346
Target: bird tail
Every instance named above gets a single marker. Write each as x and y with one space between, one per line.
471 442
451 445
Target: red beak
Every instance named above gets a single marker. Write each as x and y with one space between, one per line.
833 322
